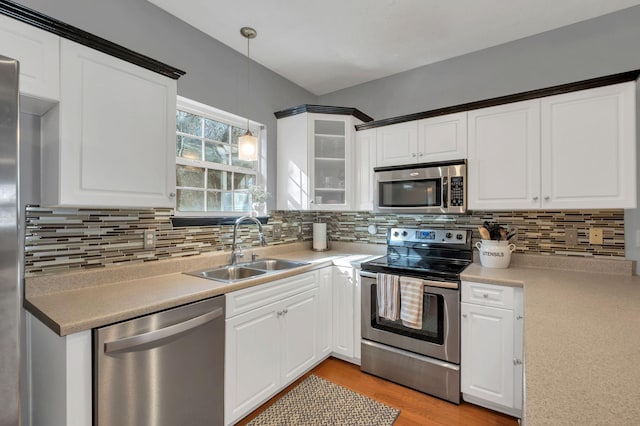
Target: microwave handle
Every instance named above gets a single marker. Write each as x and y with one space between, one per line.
445 191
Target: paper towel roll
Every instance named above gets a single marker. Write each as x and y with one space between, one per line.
319 236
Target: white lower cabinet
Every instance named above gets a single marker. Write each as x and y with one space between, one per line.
343 318
491 346
270 344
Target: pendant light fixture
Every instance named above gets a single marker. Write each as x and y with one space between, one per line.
247 143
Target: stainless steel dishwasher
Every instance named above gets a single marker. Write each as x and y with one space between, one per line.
164 369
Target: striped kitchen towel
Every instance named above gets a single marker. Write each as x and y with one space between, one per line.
388 296
411 291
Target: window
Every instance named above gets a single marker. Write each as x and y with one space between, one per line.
209 176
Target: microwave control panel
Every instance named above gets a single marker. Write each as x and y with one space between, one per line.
456 189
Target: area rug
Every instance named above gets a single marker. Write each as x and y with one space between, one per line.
316 401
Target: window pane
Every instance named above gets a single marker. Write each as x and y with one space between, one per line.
218 179
190 176
239 163
241 201
236 133
243 181
213 201
190 200
216 130
227 201
188 123
216 153
189 148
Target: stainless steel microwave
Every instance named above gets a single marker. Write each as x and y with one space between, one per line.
421 188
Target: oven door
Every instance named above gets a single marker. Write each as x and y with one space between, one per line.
440 334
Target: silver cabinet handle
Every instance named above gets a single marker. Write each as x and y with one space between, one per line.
128 343
547 198
535 198
285 311
517 361
279 314
414 155
464 315
172 195
485 295
420 154
519 317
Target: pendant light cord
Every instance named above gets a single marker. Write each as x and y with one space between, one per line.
248 82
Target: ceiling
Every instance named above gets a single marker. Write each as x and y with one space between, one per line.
328 45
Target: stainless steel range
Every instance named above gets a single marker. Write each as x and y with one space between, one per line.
424 356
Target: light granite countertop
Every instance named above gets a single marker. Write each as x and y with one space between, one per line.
582 342
582 326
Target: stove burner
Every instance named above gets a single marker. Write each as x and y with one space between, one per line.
440 260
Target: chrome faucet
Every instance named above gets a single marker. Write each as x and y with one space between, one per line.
236 251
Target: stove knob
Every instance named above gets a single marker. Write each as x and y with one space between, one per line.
459 237
448 235
404 233
395 234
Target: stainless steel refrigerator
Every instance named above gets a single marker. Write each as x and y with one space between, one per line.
10 246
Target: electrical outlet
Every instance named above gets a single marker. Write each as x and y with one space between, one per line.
595 236
276 231
149 239
571 237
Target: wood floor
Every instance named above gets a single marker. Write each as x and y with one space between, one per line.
415 407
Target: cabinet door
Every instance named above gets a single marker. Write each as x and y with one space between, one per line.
504 157
343 298
442 138
588 148
299 319
357 321
365 160
325 291
330 162
397 144
252 360
117 134
293 163
39 55
487 367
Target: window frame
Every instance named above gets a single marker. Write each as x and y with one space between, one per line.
258 130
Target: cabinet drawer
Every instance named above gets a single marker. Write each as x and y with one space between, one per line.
487 294
244 300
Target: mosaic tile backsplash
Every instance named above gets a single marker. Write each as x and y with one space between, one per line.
63 240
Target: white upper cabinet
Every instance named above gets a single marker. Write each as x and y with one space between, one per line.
575 150
439 138
365 161
504 157
589 148
442 138
315 157
397 144
111 140
38 53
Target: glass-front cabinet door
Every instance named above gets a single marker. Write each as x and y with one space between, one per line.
329 162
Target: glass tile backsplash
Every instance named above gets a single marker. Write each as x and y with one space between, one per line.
65 239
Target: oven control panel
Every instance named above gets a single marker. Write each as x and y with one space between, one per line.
440 236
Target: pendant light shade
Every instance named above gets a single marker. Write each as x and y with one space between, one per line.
248 147
247 143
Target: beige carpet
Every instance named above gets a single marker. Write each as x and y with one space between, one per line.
316 401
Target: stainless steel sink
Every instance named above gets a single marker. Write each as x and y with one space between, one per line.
228 273
274 264
244 271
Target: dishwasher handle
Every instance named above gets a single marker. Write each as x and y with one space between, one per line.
128 343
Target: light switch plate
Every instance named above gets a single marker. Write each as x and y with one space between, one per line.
571 237
595 236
